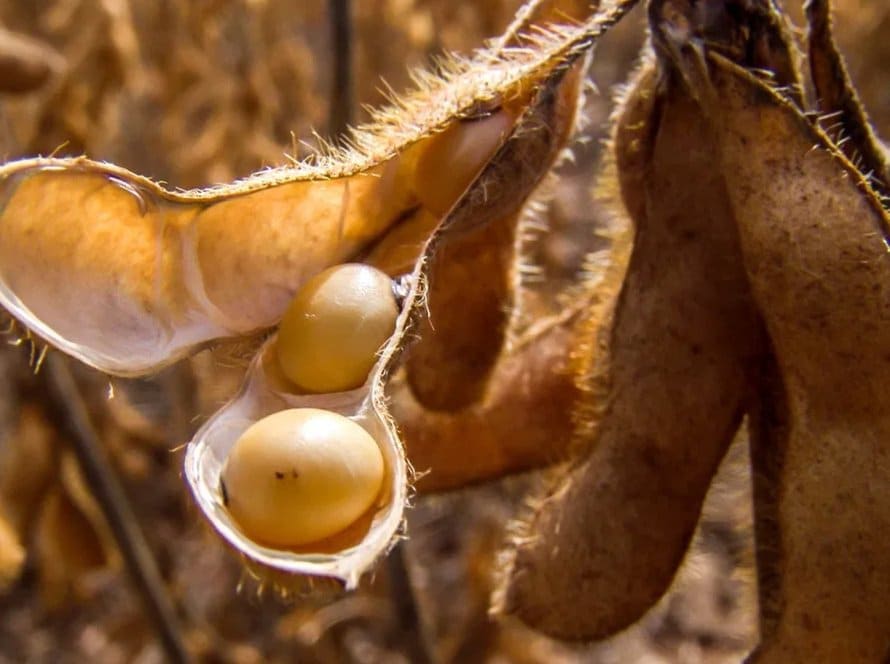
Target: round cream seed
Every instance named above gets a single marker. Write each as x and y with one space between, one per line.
330 334
301 475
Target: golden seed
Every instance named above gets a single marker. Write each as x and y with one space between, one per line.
301 475
331 332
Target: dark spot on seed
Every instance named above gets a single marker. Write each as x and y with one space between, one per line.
278 475
294 473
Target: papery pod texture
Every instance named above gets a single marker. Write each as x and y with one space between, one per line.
754 288
758 284
129 276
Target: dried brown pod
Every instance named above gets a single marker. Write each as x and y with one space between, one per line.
784 247
519 423
471 270
838 102
819 270
604 545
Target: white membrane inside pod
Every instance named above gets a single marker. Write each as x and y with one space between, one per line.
83 265
207 453
106 268
301 476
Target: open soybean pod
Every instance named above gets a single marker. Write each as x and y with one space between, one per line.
344 555
541 131
128 276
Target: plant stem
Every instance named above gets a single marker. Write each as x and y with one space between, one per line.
342 103
68 408
407 616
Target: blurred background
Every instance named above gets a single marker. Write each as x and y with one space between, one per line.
194 92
